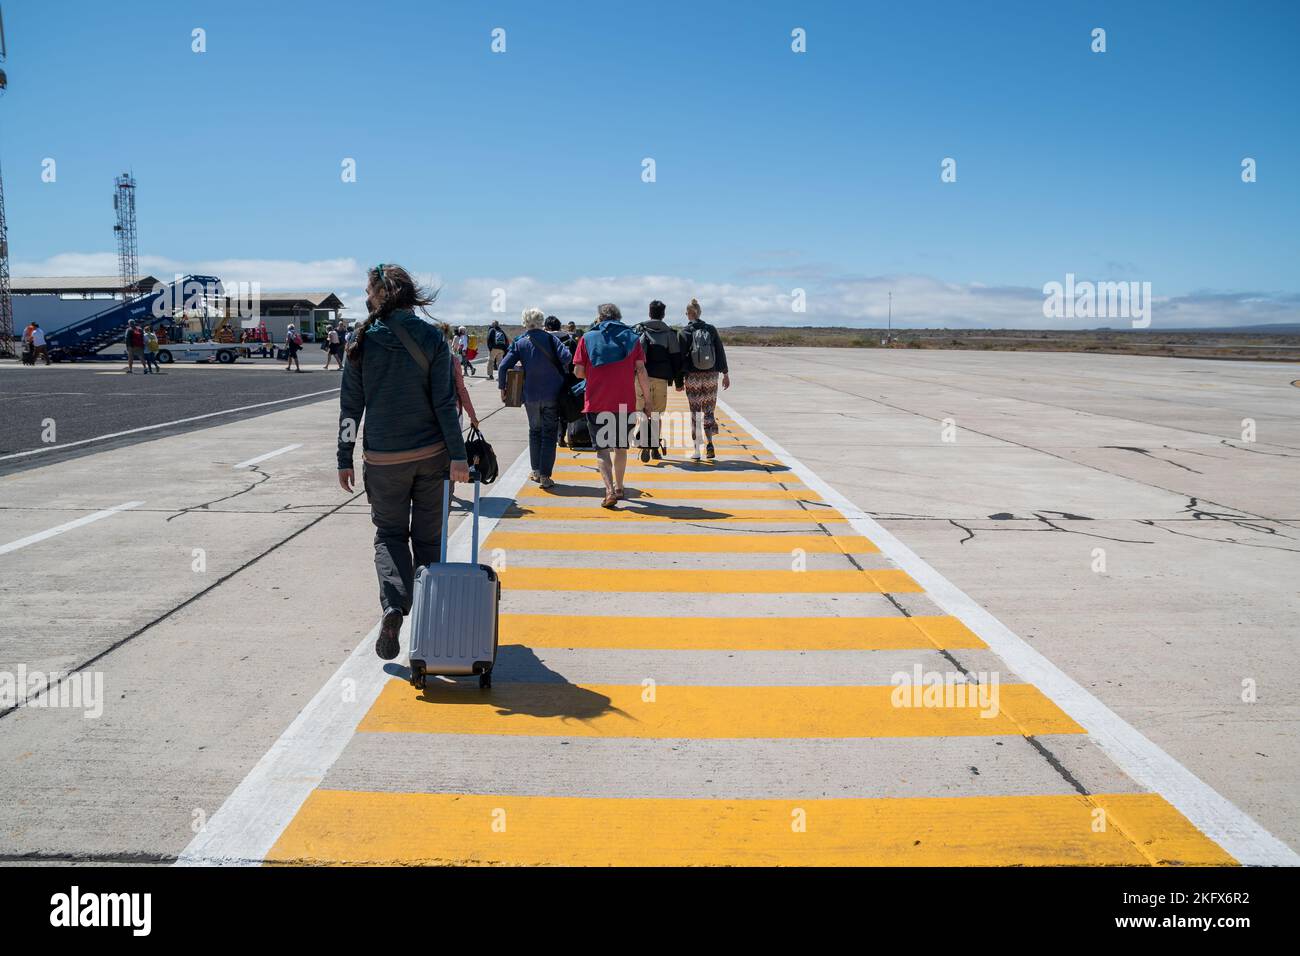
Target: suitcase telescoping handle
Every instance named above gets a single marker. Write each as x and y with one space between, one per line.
446 509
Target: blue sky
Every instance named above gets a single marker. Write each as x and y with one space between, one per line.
775 170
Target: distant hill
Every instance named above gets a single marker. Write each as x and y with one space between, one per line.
1268 328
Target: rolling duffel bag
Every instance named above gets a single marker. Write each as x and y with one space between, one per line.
454 611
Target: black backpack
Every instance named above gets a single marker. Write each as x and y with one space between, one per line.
481 456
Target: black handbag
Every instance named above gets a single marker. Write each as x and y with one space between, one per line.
481 457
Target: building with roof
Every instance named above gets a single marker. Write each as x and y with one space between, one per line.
56 301
311 313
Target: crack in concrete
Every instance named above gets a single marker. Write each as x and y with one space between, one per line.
1051 526
1152 456
1238 520
1233 541
1255 451
1056 765
265 477
969 533
1086 534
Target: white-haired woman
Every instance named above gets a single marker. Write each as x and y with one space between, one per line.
544 359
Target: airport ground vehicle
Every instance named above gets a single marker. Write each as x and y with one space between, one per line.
222 352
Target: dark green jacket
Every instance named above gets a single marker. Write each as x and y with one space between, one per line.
403 408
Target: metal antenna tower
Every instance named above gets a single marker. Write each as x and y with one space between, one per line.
128 258
7 349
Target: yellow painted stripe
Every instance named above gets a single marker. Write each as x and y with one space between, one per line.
722 451
738 633
678 581
719 441
619 710
682 464
588 457
560 492
648 474
720 446
349 827
682 543
594 512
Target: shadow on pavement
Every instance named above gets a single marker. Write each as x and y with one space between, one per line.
521 684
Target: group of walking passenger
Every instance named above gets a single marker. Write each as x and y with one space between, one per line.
405 375
624 375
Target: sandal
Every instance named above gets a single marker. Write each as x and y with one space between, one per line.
609 502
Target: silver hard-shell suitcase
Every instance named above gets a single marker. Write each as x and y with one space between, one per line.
454 612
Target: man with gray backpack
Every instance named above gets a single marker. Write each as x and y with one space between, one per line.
703 360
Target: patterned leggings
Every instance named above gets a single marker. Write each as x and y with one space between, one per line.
702 395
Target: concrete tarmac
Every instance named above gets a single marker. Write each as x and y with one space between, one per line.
1137 521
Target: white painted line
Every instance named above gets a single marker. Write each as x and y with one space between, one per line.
247 825
269 454
149 428
43 535
1215 816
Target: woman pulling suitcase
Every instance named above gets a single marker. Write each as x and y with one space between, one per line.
398 376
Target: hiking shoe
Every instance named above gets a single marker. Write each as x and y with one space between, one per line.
387 647
708 451
547 482
645 455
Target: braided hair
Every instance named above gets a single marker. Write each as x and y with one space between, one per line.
388 289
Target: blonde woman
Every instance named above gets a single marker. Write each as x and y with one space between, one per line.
703 360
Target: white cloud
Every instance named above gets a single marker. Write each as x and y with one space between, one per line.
852 301
845 300
274 274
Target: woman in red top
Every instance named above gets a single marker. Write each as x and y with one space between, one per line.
611 361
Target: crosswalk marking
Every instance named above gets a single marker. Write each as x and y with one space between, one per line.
621 710
676 581
560 493
738 633
429 828
668 475
677 513
723 669
681 543
758 461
